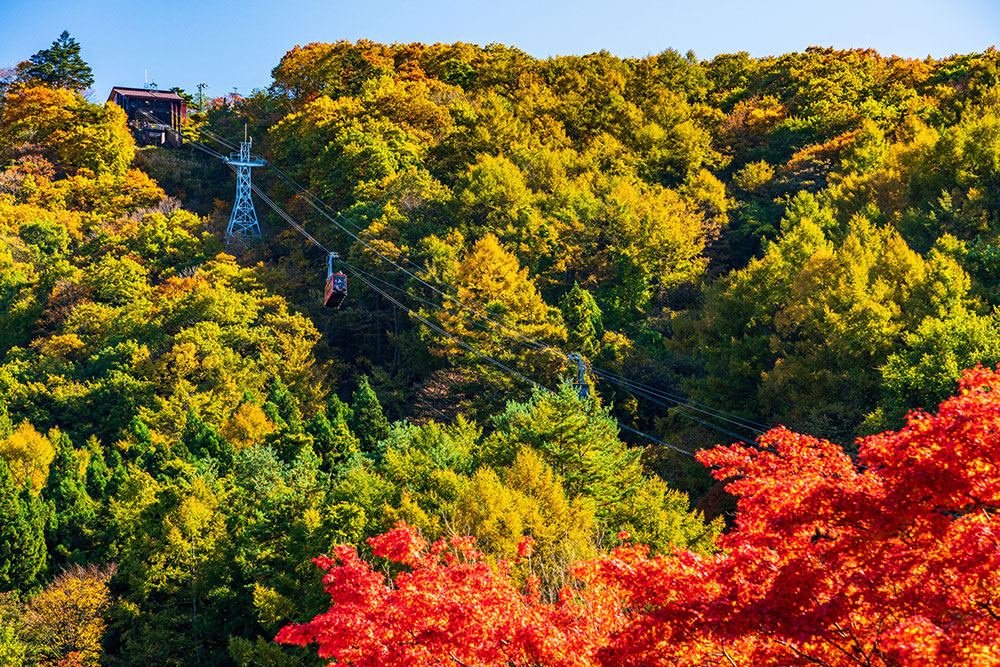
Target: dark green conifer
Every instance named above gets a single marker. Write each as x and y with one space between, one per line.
584 321
118 476
142 450
203 440
60 65
98 473
22 535
367 420
6 425
287 407
333 440
69 531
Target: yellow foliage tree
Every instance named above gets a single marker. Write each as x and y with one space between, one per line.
492 278
28 454
67 617
528 499
247 426
77 134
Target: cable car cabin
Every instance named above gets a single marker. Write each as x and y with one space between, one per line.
154 116
336 290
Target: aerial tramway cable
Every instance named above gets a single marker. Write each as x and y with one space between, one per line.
638 390
319 205
484 321
629 385
442 331
474 322
493 361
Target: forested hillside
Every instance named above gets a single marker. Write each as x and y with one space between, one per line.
810 240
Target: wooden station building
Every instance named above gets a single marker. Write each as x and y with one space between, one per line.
154 115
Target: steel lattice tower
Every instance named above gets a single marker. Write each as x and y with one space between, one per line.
243 224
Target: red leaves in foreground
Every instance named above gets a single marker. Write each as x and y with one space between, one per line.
892 559
449 608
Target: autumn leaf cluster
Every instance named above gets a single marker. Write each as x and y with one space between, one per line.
886 558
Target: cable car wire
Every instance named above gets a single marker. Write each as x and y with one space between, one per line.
610 377
493 361
319 204
686 402
475 322
442 331
522 337
673 408
636 388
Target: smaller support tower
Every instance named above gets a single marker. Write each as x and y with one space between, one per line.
243 225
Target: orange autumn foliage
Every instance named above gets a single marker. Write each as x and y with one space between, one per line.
68 617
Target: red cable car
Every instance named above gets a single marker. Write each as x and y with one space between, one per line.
336 285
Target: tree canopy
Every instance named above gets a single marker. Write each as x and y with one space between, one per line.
60 66
810 239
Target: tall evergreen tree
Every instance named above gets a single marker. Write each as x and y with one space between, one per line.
584 322
22 537
202 439
70 530
368 421
6 425
98 472
288 409
60 65
332 439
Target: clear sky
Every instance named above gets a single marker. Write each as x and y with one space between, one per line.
228 44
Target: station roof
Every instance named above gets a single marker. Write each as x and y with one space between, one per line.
145 94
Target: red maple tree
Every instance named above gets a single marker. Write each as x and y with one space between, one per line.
449 607
888 558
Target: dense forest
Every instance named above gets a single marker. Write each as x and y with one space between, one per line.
734 244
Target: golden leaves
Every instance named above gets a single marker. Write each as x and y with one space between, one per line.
28 454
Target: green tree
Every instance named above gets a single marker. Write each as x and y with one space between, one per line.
491 195
118 280
428 466
16 647
580 443
204 440
71 531
629 293
332 439
98 474
368 422
22 535
287 406
170 532
926 367
60 65
584 323
6 425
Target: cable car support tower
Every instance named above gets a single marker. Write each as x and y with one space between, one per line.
243 226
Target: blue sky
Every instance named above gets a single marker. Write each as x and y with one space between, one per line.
227 44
